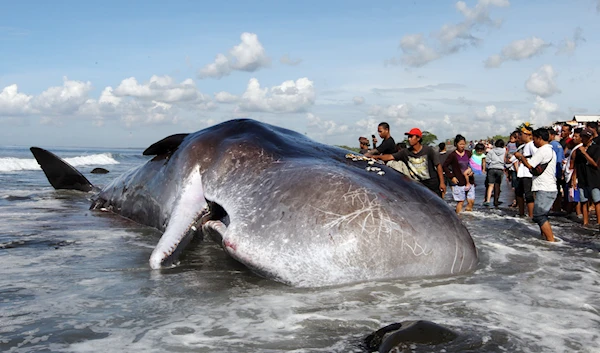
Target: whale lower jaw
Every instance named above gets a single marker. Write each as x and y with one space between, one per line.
184 223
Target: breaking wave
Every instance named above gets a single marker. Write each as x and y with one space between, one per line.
11 164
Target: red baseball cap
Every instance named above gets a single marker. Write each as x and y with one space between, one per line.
414 131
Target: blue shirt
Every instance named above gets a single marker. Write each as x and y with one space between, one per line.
560 155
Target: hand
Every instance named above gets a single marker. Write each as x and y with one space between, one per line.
455 180
442 187
374 141
518 155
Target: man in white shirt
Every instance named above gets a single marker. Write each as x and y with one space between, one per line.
544 183
523 192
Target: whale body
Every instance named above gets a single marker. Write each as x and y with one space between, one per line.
289 208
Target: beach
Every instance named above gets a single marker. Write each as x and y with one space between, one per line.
76 280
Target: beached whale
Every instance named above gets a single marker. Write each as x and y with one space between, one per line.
289 208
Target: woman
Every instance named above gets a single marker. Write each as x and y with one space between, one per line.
459 172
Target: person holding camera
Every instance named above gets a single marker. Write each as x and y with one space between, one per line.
387 146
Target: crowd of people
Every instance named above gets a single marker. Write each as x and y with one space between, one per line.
549 170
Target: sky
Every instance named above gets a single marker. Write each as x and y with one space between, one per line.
129 73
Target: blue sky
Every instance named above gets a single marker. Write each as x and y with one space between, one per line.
125 74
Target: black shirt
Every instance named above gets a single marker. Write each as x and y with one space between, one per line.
387 146
588 176
423 163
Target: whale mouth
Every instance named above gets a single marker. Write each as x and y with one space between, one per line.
215 212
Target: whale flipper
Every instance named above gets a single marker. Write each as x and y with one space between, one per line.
60 173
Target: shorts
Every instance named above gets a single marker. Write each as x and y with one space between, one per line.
587 193
494 176
524 189
573 194
459 193
542 205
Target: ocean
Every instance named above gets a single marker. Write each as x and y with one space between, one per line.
75 280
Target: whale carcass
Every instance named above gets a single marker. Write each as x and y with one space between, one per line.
289 208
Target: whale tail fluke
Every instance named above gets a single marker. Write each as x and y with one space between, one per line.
60 173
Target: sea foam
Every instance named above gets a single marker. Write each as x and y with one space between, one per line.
11 164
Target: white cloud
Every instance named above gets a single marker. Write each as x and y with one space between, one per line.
62 100
325 127
518 50
286 60
357 100
161 89
159 101
155 114
248 56
14 103
367 125
289 97
416 52
542 82
451 37
568 45
397 112
541 111
226 97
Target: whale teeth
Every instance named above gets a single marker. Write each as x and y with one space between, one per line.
371 162
381 173
368 169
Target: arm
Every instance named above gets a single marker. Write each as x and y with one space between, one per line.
449 172
372 153
572 166
383 157
589 158
441 177
435 159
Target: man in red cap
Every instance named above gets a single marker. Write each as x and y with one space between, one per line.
422 161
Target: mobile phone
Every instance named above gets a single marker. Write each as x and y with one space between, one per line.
372 136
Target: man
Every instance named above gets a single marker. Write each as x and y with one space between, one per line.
586 174
560 156
565 133
422 161
523 192
544 184
364 144
387 146
593 126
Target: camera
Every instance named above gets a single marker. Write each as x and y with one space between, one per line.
372 136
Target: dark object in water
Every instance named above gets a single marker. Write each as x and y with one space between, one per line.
405 333
59 173
99 171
